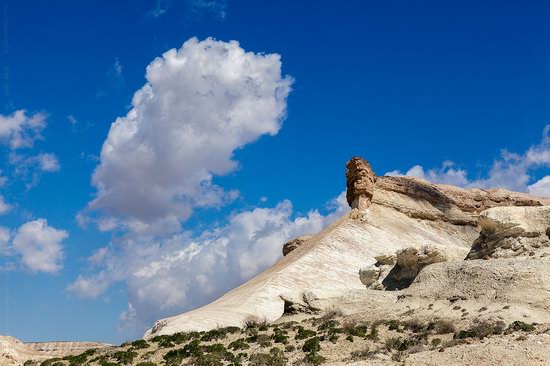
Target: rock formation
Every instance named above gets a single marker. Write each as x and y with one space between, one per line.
360 183
512 232
293 244
390 214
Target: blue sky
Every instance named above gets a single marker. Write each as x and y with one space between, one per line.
426 88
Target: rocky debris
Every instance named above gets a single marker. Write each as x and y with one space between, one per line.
511 232
410 261
369 275
306 302
293 244
360 183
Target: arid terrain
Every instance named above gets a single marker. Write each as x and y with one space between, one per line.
416 274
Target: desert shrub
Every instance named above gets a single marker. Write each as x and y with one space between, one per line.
213 334
328 324
333 338
174 357
139 344
361 354
168 341
239 344
312 345
50 362
80 359
125 357
414 325
30 363
392 324
351 327
147 363
263 340
521 338
275 357
436 342
313 358
329 314
304 333
349 338
483 308
280 336
520 326
254 322
373 334
442 326
485 328
290 348
288 325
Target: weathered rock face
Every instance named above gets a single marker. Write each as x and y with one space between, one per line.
360 183
395 272
369 275
293 244
390 214
511 232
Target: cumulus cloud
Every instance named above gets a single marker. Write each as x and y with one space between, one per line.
511 171
21 129
185 271
39 246
200 103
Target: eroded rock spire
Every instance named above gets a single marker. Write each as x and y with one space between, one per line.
360 183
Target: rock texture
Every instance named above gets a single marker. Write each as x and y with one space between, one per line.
360 183
512 232
293 244
389 214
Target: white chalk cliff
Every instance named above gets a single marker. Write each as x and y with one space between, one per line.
388 214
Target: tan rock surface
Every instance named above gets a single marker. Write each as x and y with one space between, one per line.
391 213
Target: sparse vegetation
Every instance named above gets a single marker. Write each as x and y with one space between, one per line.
309 342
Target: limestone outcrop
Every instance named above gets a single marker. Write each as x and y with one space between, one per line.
511 232
293 244
360 183
389 215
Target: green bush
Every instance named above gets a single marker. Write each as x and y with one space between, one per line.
213 334
274 358
239 344
280 336
304 333
125 357
148 363
139 344
520 326
314 359
312 345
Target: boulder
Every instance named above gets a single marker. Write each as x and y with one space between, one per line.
293 244
369 275
409 262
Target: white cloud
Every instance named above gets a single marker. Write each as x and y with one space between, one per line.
39 246
446 174
21 129
4 207
5 237
184 271
511 171
200 103
541 187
